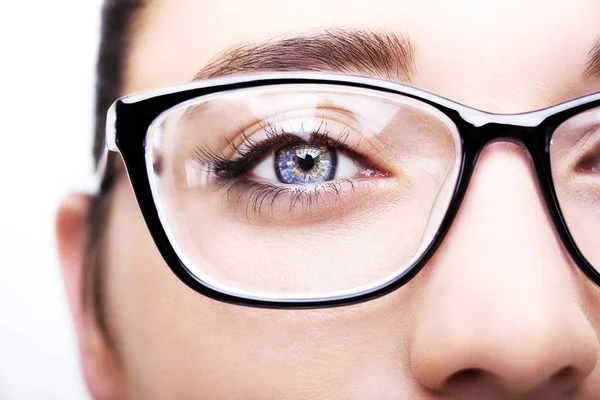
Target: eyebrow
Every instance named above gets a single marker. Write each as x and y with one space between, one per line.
380 54
593 65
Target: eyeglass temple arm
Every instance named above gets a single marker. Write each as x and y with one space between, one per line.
110 144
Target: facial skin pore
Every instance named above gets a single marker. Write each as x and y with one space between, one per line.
500 312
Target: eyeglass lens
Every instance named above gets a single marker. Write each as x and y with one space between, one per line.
316 191
575 160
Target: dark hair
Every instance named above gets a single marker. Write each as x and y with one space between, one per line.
115 39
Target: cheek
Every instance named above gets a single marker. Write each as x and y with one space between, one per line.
589 299
174 343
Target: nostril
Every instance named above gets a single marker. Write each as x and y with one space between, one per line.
565 374
473 380
467 376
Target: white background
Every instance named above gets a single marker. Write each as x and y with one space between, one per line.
47 63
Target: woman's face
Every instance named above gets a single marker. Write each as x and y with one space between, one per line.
499 312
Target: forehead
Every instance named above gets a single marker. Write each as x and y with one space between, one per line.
503 56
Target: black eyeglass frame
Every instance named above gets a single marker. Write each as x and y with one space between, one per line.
130 117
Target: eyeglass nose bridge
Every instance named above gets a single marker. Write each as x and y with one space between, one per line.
499 132
534 140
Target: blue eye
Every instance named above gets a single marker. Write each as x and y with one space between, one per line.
305 164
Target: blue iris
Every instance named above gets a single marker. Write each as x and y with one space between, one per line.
305 164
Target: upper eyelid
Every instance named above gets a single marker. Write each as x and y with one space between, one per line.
261 149
322 136
250 152
589 141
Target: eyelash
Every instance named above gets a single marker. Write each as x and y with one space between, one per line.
260 194
590 151
228 174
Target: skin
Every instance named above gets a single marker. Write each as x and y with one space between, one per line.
500 312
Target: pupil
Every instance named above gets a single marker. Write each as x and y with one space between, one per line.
306 163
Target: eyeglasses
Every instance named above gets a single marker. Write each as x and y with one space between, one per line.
300 190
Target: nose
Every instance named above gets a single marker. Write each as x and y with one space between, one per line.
500 313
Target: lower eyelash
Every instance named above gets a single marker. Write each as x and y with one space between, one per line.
263 196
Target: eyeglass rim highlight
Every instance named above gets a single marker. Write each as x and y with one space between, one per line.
129 119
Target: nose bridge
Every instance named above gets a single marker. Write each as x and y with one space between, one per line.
501 289
504 212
